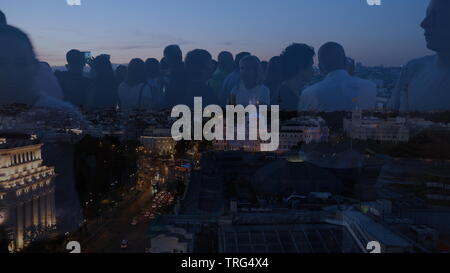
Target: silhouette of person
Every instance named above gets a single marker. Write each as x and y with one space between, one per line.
199 69
134 92
274 77
174 60
174 56
339 91
46 83
232 80
155 81
18 66
176 75
75 85
424 84
18 69
104 94
2 19
121 73
297 70
224 67
251 89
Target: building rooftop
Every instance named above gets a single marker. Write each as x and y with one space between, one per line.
11 140
378 231
303 238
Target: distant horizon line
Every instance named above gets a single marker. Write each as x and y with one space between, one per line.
315 66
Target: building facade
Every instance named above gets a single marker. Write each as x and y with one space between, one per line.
302 130
158 141
391 130
27 205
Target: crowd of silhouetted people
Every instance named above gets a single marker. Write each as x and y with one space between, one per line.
153 84
243 79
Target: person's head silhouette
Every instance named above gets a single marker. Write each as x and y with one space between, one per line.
251 71
2 19
173 55
199 65
225 61
137 72
104 82
153 68
102 70
436 25
238 59
332 57
18 66
274 71
297 63
75 61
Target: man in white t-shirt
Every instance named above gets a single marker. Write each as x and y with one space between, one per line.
424 84
339 91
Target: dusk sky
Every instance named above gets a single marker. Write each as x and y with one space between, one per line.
389 34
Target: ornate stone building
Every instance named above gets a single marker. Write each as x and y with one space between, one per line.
27 206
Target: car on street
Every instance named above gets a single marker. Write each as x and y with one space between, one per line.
124 244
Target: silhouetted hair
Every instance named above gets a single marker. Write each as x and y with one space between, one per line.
153 68
295 58
75 57
173 54
256 65
7 31
224 56
239 57
103 68
137 72
274 73
225 60
332 57
196 61
2 18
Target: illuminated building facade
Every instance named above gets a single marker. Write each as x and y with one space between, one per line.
391 130
158 141
27 205
302 129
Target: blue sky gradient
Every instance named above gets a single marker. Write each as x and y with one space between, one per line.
389 34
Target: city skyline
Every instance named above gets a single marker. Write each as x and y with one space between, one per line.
389 34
